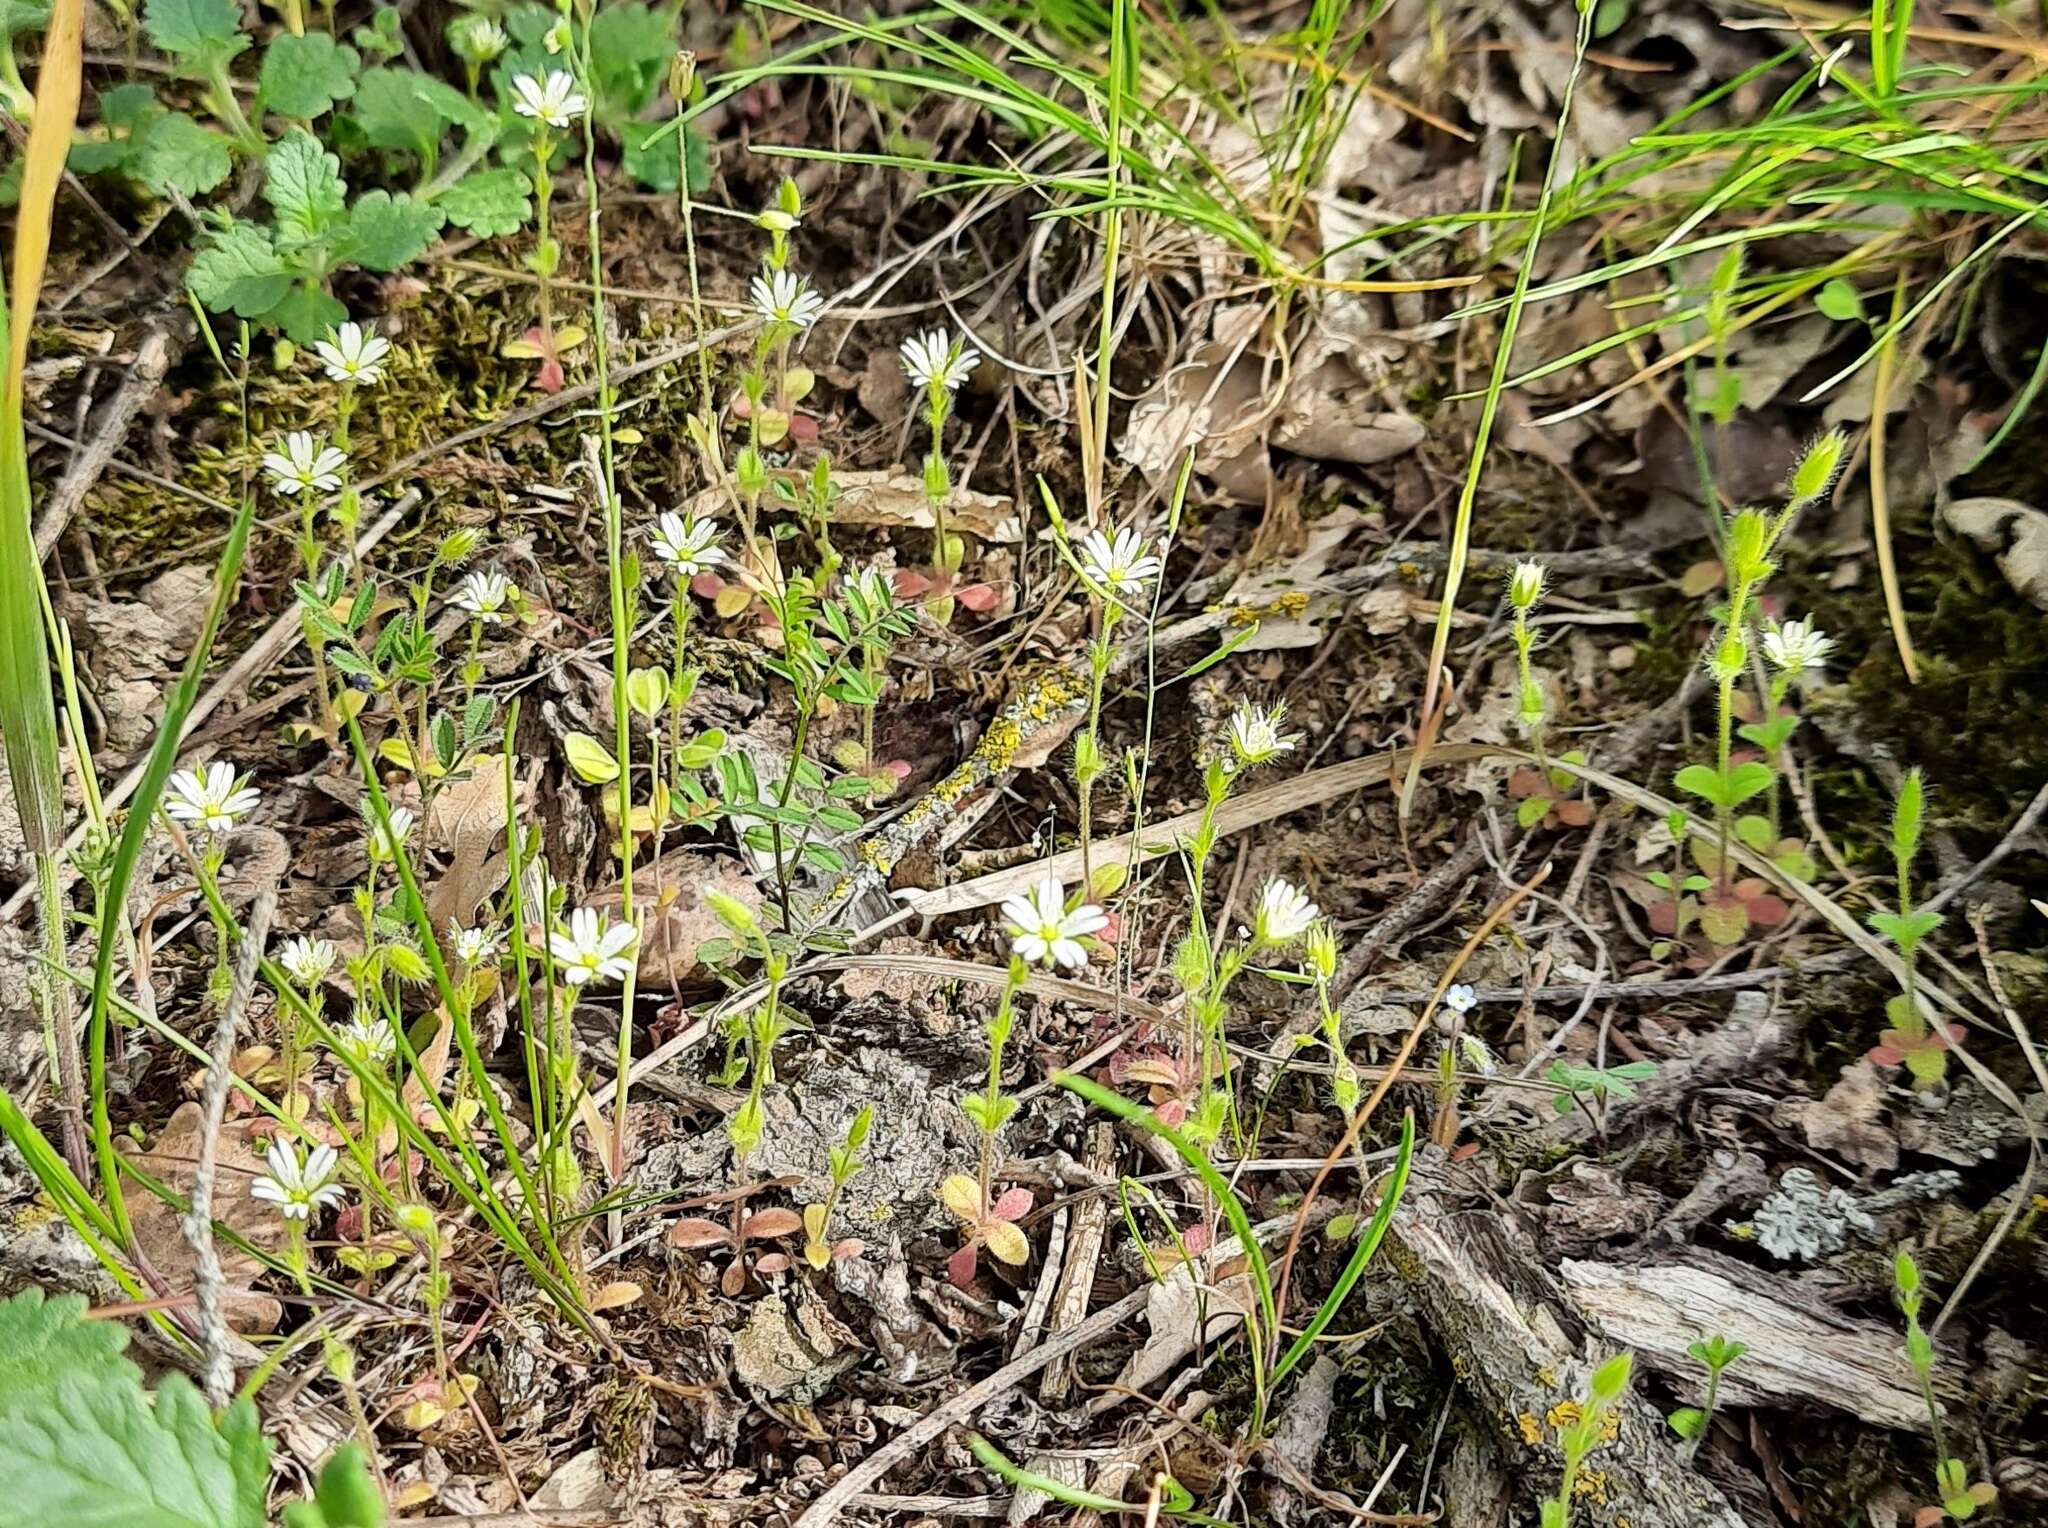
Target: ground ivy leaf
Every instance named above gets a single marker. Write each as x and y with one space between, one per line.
239 271
488 203
302 181
305 76
386 231
404 109
202 34
175 153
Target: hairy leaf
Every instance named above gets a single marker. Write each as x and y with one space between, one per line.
305 76
201 34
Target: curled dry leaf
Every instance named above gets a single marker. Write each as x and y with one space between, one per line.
692 1232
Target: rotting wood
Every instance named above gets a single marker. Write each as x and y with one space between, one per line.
1805 1352
1525 1354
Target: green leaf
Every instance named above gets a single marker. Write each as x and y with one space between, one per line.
82 1445
488 203
127 106
302 181
386 231
405 110
239 271
176 153
305 76
589 759
1532 810
307 312
630 49
1839 301
1699 780
18 16
1748 779
1687 1421
1754 831
201 34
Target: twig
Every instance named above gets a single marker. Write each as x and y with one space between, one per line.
217 1373
109 430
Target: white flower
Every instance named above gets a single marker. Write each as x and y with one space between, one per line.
1045 933
1255 736
365 1041
1460 998
209 797
782 297
473 946
1799 648
1284 913
687 543
298 1188
1525 585
352 353
589 950
384 846
1118 563
938 358
307 464
554 100
478 39
306 960
484 595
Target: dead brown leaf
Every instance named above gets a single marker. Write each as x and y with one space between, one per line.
238 1160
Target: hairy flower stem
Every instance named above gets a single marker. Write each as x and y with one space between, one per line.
992 1098
679 615
544 246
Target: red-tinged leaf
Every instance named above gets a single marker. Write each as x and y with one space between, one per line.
1767 911
706 585
766 1225
1466 1152
910 583
1885 1055
1012 1204
1172 1113
774 1262
1153 1071
1663 918
1575 814
741 407
980 598
733 1280
852 1247
691 1232
900 768
1526 782
1929 1517
550 378
803 429
1198 1238
961 1265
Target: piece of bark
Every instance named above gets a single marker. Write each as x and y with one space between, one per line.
1801 1351
1517 1343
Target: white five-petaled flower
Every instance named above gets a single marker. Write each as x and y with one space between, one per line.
366 1041
783 297
305 960
1255 736
938 358
473 946
1284 914
590 950
384 845
1118 562
208 797
1460 998
554 100
687 543
1525 585
296 1187
1800 648
484 595
1045 932
352 353
307 464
